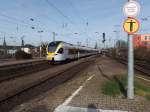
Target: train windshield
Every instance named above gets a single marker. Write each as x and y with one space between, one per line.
52 46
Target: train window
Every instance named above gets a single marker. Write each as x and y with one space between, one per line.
51 49
54 43
73 51
60 51
52 46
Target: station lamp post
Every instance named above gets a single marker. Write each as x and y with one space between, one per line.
116 40
41 31
54 35
79 44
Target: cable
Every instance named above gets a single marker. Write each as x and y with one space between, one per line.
79 15
76 10
19 20
58 10
12 22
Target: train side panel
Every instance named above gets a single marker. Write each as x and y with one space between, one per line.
65 51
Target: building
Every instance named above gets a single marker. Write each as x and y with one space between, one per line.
142 40
29 49
8 51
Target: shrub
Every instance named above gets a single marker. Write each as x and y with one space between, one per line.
147 97
147 58
22 55
111 88
140 53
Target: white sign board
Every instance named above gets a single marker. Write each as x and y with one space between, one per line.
131 9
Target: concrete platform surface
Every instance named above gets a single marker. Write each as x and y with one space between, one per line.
83 93
13 61
62 108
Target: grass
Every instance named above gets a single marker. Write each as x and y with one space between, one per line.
147 97
142 90
113 88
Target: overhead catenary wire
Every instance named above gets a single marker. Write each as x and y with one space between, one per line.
26 24
58 10
81 18
15 21
22 22
50 4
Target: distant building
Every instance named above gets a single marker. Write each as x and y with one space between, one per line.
142 40
8 51
28 48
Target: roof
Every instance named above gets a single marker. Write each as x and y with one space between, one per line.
9 47
58 42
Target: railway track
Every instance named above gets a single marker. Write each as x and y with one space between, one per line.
18 69
62 72
140 66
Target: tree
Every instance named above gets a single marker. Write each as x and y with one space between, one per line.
96 46
121 44
44 48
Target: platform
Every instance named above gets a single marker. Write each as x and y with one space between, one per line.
89 95
5 62
82 93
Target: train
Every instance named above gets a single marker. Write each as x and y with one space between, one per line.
58 51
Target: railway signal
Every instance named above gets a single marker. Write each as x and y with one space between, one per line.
104 39
131 9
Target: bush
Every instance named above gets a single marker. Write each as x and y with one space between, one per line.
111 88
22 55
148 56
140 53
147 97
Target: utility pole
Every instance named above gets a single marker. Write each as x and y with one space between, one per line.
116 40
117 31
40 42
5 46
87 42
54 34
79 44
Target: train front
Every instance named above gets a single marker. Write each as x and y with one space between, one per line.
55 52
51 51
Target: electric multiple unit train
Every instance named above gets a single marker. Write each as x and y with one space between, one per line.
58 51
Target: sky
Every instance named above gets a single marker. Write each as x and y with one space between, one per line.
72 20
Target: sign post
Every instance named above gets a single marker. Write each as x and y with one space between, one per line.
131 9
